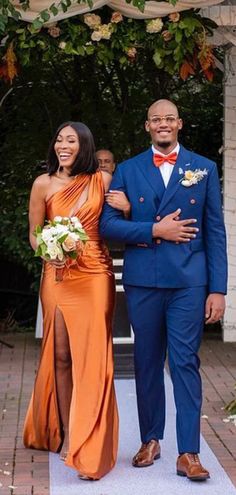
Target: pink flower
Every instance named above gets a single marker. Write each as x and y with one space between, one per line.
69 244
132 52
175 17
166 35
116 17
54 31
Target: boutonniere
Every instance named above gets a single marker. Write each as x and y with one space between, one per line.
192 177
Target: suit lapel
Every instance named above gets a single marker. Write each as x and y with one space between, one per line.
152 174
183 163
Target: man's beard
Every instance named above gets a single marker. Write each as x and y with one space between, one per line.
164 144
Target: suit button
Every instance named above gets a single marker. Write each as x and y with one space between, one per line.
158 218
141 200
192 201
177 242
158 241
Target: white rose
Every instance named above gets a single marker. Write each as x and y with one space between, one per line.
54 251
96 36
58 219
106 31
154 26
61 229
74 236
46 235
62 45
75 221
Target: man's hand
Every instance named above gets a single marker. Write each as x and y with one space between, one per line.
215 308
171 228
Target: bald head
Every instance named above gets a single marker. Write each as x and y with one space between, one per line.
163 124
163 107
106 160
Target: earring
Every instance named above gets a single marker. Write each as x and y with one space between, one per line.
58 170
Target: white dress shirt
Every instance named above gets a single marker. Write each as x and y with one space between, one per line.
166 168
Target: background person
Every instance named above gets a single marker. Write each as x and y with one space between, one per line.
106 160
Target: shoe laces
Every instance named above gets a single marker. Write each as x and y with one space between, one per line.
195 459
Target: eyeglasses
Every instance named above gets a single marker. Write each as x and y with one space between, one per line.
170 119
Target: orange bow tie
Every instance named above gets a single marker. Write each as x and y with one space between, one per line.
158 160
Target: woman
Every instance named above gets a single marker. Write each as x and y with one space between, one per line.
73 406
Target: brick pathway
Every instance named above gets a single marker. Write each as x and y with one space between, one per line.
27 470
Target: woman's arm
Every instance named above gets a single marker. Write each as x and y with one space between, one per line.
37 210
37 207
107 178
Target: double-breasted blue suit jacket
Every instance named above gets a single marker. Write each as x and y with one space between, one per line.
160 263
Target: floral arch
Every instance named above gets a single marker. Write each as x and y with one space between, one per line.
173 31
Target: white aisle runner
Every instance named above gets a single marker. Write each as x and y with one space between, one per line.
158 479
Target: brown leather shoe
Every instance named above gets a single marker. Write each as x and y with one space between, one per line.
189 465
147 454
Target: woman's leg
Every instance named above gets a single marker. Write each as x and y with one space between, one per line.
63 376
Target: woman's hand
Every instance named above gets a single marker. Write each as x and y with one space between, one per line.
118 200
56 263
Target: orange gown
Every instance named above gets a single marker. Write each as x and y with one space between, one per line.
85 297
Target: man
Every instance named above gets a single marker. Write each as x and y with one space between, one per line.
175 273
106 161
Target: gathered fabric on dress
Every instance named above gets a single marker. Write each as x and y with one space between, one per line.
85 297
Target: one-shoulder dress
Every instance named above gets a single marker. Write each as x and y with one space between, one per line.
85 297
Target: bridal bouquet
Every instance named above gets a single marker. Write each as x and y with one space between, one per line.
60 239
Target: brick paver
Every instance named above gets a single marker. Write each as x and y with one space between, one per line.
27 470
218 368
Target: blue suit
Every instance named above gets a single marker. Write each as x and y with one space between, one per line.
166 283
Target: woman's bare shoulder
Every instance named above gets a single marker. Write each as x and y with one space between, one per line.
106 177
41 184
42 180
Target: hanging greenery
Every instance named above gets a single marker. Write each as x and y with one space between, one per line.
178 42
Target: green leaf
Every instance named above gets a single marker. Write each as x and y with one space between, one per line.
73 255
80 50
62 238
53 9
158 58
190 24
89 49
64 6
178 36
44 15
123 60
37 24
38 230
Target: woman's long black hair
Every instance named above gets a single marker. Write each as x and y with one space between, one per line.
86 161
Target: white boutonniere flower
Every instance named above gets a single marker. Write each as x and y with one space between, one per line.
192 177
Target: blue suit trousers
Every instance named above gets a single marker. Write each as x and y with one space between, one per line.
168 320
